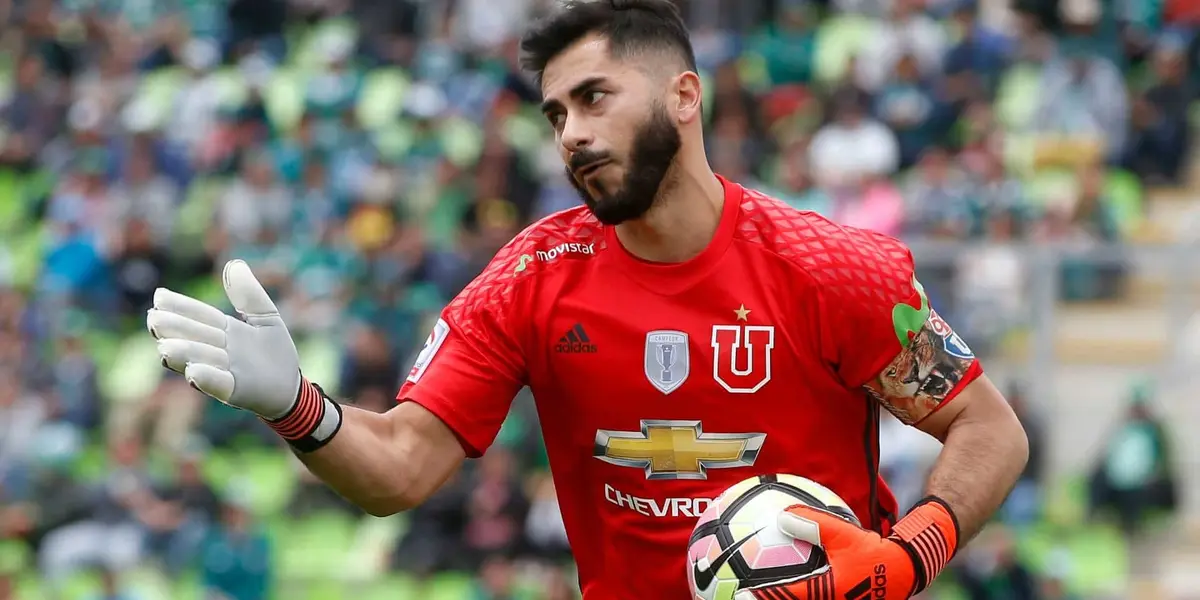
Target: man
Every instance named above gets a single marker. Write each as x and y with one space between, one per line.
680 334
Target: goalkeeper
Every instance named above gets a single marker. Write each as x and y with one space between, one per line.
679 331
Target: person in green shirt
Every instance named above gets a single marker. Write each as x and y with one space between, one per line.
788 44
1134 476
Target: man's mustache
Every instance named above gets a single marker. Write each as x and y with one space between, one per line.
586 158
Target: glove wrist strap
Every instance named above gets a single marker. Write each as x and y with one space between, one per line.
313 420
929 534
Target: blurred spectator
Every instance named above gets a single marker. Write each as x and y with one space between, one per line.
435 540
180 515
369 364
496 506
938 198
255 203
21 415
992 280
1161 137
139 267
906 31
978 58
1083 111
199 94
75 384
788 44
795 184
236 557
1135 475
908 105
1085 223
737 140
852 147
992 570
31 108
544 528
166 415
145 194
996 193
496 579
107 533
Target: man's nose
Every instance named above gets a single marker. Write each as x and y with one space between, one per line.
576 135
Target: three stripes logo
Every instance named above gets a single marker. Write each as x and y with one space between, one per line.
870 588
576 340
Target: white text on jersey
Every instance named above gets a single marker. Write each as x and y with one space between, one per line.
565 248
666 507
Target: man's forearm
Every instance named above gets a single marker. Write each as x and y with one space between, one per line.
380 462
978 466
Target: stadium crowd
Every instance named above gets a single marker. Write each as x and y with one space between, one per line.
368 157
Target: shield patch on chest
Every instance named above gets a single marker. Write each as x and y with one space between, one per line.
666 360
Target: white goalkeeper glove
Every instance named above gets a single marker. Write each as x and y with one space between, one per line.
249 364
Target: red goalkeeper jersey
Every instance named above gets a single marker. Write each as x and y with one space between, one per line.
658 386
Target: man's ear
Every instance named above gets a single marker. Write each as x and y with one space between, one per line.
689 93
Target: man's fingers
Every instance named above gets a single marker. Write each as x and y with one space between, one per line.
168 325
245 292
174 302
817 526
211 380
177 354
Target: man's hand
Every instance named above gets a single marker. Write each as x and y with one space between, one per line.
250 363
863 564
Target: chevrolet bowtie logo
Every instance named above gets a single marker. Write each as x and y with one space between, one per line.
677 449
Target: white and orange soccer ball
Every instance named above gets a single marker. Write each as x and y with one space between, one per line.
736 545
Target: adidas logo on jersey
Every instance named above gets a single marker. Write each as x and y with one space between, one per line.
575 340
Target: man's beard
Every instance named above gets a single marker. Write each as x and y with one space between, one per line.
655 145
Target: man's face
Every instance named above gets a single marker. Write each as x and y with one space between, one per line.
613 129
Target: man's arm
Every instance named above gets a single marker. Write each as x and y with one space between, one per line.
453 401
390 462
984 452
880 334
888 339
452 404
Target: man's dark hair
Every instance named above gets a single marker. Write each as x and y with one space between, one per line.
630 26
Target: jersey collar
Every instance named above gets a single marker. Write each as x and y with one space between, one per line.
673 278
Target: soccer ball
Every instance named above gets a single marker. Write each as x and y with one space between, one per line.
736 545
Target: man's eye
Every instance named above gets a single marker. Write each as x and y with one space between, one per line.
556 120
595 96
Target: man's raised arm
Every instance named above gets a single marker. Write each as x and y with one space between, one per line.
461 390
